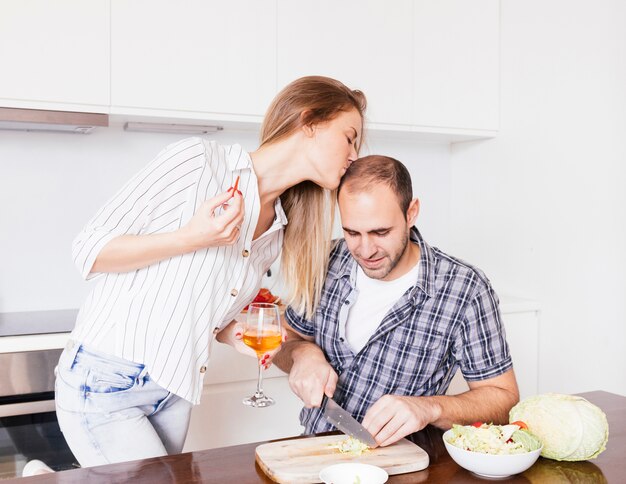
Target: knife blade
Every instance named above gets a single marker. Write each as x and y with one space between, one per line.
347 423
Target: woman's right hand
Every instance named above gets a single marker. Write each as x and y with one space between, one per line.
208 229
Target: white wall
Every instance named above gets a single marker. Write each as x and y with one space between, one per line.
429 165
542 208
52 183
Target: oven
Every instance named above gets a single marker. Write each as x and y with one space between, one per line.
28 424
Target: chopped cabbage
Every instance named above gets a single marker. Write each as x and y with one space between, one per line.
494 439
350 446
570 427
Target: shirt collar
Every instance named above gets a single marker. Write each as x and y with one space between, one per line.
281 216
425 274
239 159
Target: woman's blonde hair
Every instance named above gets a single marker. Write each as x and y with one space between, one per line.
309 208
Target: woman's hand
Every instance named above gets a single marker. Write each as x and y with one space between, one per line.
233 336
207 229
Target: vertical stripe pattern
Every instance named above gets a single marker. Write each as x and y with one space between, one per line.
164 315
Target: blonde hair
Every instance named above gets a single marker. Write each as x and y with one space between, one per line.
309 208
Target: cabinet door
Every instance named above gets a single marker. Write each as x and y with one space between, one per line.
198 55
366 44
54 52
221 419
456 64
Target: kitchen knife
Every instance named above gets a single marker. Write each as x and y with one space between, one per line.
347 423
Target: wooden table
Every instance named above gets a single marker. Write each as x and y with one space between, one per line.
236 465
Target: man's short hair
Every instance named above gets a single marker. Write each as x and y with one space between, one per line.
370 170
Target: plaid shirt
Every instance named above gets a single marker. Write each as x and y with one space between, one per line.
448 319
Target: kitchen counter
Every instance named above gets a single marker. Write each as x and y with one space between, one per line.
55 325
237 465
35 330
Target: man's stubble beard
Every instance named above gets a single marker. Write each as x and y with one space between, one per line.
393 262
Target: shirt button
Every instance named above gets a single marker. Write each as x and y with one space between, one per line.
341 339
346 302
234 292
203 369
245 253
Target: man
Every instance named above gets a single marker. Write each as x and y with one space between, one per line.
396 319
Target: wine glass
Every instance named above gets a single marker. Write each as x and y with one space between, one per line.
262 333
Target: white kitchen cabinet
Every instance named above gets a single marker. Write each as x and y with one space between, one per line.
196 56
365 44
456 64
55 55
429 69
521 323
221 419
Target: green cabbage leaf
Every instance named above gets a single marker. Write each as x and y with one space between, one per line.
570 427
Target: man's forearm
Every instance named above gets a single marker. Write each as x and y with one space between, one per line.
486 404
289 350
310 375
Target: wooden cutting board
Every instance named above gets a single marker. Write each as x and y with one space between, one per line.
300 460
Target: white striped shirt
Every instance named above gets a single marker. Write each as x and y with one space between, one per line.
164 315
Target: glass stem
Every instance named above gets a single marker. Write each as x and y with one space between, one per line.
259 383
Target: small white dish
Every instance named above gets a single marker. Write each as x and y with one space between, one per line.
353 473
490 465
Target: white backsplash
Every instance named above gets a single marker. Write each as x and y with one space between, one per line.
51 184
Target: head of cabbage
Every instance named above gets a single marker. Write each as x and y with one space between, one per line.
570 427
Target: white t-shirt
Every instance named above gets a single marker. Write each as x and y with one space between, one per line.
374 301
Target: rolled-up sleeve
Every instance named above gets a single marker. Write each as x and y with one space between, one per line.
485 350
129 210
298 323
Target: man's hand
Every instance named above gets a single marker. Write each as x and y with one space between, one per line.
393 417
311 376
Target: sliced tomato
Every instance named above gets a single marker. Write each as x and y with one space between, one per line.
477 424
264 296
520 424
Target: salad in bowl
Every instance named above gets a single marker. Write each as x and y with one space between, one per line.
493 450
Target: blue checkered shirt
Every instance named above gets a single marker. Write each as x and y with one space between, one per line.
448 319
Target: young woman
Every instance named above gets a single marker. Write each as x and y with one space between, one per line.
180 250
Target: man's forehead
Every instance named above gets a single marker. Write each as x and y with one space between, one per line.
373 198
356 187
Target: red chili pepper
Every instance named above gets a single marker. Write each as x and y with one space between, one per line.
234 188
477 424
236 185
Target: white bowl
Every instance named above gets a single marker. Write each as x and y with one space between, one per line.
347 473
489 465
